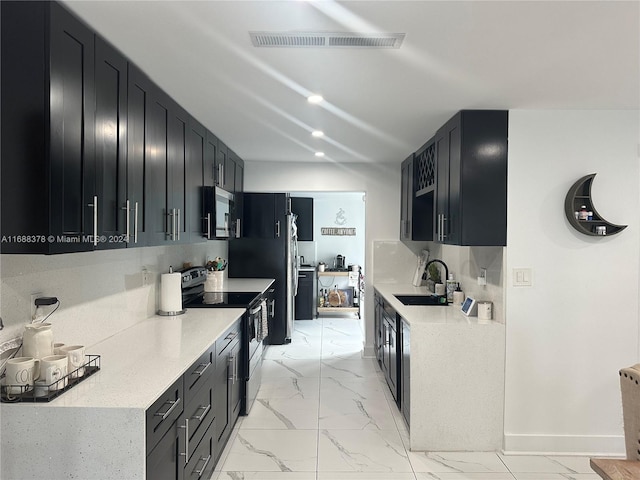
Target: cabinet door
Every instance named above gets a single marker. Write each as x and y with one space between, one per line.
221 161
177 173
303 208
111 145
260 216
406 199
447 221
239 206
211 160
230 171
235 383
405 381
73 210
393 361
304 298
158 223
165 462
199 225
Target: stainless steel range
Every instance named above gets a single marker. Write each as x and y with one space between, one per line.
254 325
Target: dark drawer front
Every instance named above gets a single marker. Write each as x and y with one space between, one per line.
163 413
222 344
203 460
200 372
305 276
199 413
390 314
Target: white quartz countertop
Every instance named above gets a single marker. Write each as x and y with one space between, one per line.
246 284
415 314
138 364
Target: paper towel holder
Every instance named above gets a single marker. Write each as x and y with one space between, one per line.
171 313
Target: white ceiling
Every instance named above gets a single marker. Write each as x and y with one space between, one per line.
380 104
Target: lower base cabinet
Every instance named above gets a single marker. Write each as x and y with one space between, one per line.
190 424
405 368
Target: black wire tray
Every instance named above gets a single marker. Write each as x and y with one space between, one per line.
46 393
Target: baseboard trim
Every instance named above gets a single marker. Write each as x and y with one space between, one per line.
591 445
368 352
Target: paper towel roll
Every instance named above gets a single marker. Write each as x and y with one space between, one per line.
170 294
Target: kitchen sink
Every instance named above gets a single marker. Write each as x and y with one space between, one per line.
422 300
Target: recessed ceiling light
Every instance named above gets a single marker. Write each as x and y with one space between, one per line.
314 98
317 133
319 154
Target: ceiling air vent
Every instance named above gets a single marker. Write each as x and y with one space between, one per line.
326 40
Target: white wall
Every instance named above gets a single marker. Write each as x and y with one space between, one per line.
570 333
327 206
381 184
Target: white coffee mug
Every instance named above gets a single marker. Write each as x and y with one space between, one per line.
53 370
21 372
75 357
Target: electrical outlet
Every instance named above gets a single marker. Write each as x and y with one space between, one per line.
32 304
146 276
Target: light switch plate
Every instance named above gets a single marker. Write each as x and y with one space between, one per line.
522 277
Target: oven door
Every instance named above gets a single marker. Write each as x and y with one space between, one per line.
254 329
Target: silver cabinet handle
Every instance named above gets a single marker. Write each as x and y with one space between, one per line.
237 228
204 414
126 209
186 441
278 229
95 219
272 309
444 219
135 223
208 217
222 176
173 403
204 467
178 225
175 224
230 363
204 369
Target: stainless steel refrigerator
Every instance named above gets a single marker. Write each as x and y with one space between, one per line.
268 248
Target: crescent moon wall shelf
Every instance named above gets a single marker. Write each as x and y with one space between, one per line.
580 194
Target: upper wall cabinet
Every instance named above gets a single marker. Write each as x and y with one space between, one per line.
49 197
417 199
303 208
471 189
116 212
94 154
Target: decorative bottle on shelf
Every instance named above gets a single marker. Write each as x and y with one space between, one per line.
321 299
583 214
451 286
356 299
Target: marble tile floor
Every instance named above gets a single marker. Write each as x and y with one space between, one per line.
325 413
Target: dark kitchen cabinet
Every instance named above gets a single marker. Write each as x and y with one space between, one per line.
417 201
406 198
390 352
265 215
48 151
405 368
139 95
114 206
164 436
304 304
471 190
227 386
225 172
303 208
166 126
198 224
378 329
239 199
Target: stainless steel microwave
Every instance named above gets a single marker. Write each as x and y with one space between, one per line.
219 213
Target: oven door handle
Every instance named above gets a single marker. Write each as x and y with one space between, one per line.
255 310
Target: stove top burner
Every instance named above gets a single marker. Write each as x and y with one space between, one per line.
223 299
